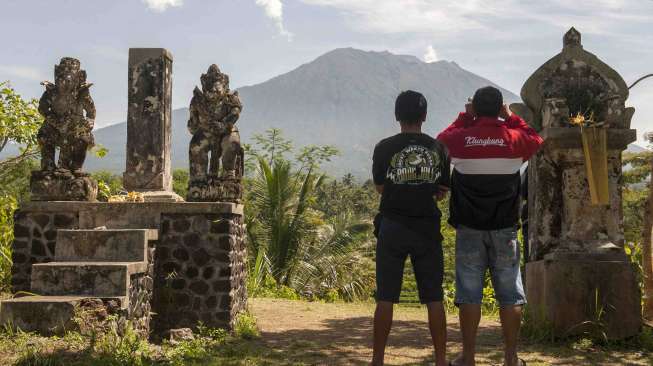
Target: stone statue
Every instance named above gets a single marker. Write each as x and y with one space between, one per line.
214 111
69 115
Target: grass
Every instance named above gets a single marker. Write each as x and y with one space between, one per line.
286 332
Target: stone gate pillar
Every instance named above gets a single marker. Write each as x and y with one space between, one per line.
149 129
578 275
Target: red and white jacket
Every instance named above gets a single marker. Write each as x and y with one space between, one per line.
487 154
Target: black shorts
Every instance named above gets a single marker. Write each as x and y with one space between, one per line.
396 242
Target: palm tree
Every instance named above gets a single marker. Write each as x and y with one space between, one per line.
337 259
281 217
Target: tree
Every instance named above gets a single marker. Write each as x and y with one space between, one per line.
281 200
19 124
647 232
301 243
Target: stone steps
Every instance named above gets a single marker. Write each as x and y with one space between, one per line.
90 267
127 245
97 279
27 313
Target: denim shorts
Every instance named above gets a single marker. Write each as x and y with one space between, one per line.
496 250
395 243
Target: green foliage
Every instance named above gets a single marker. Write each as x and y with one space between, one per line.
99 151
635 195
8 205
19 119
271 146
300 235
180 179
535 326
346 195
245 326
312 156
215 334
120 345
639 167
19 124
186 351
268 287
280 200
109 184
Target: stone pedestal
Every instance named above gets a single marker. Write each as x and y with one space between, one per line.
578 294
201 270
148 167
215 189
62 185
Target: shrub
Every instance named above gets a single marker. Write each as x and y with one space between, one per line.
245 326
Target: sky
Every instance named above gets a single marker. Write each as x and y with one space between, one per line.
255 40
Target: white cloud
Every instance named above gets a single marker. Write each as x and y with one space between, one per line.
8 72
162 5
274 10
407 16
431 55
444 18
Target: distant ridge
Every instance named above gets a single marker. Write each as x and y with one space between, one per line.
634 148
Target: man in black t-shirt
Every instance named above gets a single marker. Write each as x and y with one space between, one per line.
411 170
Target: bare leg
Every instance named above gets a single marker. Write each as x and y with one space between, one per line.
510 323
470 316
382 325
438 328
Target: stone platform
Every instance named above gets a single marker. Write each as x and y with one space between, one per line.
186 259
215 189
62 185
577 292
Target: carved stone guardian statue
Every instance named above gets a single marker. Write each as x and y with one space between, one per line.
214 111
69 116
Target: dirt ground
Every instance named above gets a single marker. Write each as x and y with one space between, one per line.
340 334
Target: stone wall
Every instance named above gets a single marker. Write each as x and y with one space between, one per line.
35 235
200 270
140 296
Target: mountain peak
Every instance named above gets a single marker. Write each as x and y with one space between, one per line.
355 52
343 98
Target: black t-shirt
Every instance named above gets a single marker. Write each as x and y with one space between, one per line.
411 166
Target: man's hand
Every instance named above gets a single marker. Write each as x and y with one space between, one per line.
469 109
379 189
505 112
442 193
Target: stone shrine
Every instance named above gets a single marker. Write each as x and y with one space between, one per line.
214 111
159 264
578 274
69 115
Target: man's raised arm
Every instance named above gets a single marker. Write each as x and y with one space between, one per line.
465 119
527 140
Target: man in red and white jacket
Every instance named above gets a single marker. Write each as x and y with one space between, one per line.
488 145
